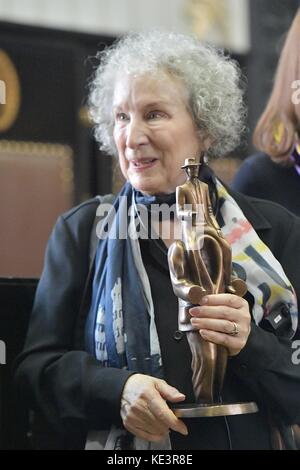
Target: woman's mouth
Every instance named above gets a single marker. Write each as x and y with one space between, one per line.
144 164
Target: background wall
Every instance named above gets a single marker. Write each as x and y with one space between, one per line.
223 21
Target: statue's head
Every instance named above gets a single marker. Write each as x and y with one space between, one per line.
191 167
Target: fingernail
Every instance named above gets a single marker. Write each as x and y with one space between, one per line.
193 311
204 300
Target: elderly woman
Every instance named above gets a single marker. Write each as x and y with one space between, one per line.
103 351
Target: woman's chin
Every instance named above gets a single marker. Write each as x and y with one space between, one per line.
143 187
150 191
145 191
150 188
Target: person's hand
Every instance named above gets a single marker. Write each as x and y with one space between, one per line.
223 319
144 410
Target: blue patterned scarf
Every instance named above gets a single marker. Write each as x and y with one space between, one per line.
121 318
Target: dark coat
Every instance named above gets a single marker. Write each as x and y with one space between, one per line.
67 386
259 176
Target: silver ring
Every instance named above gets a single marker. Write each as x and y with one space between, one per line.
235 330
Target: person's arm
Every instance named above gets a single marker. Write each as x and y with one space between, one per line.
267 364
272 362
264 362
182 212
180 203
68 387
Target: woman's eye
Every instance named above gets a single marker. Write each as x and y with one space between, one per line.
154 115
121 117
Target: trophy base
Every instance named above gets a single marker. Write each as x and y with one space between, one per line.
201 410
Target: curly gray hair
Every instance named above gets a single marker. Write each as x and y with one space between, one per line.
212 80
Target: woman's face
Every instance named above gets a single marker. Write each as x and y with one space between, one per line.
154 132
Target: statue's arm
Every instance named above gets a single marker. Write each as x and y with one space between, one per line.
184 208
183 287
212 220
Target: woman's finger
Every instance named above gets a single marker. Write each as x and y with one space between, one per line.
139 415
220 312
221 326
230 300
233 344
165 415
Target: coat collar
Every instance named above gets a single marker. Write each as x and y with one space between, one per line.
249 207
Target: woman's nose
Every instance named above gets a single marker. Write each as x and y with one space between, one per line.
136 134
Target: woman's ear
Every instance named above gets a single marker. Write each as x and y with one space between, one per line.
207 142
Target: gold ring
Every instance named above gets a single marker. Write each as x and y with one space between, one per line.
235 330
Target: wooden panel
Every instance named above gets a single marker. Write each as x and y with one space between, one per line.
36 185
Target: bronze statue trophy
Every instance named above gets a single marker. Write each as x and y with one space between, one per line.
201 263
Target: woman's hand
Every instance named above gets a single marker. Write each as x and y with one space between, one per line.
144 410
223 319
